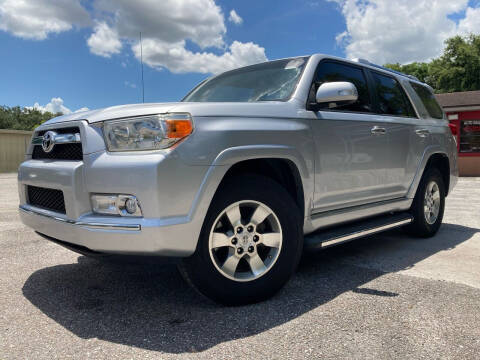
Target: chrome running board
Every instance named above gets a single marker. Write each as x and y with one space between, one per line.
347 232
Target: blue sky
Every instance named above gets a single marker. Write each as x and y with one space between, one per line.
60 59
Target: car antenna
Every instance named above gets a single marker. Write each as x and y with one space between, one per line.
141 61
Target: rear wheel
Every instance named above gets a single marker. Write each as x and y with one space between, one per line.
428 205
250 242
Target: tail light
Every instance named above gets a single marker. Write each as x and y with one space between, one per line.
453 129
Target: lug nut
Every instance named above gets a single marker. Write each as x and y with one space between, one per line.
239 230
250 228
240 250
250 249
234 241
255 238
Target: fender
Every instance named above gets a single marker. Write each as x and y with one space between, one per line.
429 151
236 154
233 155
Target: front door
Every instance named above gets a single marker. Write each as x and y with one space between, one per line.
351 141
351 153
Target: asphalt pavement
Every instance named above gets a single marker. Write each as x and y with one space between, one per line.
385 296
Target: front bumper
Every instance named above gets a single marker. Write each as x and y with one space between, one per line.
109 235
168 190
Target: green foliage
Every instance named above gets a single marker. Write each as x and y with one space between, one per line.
457 69
17 118
418 69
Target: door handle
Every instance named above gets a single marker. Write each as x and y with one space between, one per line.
377 130
422 132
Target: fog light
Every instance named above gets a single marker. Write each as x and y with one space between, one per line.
131 206
123 205
105 204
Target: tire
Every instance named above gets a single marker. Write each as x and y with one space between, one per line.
238 284
424 225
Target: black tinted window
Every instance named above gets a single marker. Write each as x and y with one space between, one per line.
391 97
428 100
330 72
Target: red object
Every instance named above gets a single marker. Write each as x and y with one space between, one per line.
453 128
456 125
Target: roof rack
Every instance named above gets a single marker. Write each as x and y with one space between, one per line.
366 62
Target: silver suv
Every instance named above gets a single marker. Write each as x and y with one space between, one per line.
250 168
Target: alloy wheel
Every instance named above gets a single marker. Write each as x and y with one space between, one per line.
431 204
245 240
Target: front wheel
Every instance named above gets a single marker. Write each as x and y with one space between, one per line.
428 205
250 243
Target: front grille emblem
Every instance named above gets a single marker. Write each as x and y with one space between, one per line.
48 141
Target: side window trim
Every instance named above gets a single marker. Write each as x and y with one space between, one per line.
420 99
406 97
412 102
373 93
344 63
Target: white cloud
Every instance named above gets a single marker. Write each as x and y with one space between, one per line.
235 18
471 22
170 29
171 21
130 84
36 19
178 59
54 106
104 41
402 31
166 28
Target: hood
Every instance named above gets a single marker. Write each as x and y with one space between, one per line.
114 112
196 109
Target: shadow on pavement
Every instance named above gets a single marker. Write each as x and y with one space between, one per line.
149 306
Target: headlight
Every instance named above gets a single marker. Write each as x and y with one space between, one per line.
151 132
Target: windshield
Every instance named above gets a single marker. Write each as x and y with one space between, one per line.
271 81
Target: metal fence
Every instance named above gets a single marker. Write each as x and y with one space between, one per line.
13 144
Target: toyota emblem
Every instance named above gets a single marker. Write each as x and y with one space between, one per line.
48 141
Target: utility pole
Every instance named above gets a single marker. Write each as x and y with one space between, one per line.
141 61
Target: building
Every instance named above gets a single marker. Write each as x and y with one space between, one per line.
463 112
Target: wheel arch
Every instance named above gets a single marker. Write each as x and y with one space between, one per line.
281 170
440 162
282 163
432 157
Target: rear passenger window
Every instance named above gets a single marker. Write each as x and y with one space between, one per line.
391 97
332 71
428 100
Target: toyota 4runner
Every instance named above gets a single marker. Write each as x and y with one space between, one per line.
250 168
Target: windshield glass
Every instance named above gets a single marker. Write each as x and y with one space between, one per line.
271 81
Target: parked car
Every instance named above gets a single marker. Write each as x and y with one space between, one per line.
250 168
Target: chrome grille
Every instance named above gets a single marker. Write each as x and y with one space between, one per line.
67 147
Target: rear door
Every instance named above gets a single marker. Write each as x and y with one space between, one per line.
352 147
406 141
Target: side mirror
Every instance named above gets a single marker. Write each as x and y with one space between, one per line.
338 93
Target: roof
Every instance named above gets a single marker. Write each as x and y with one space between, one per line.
456 99
366 62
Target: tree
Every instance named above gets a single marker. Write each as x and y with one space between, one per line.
417 69
17 118
457 69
